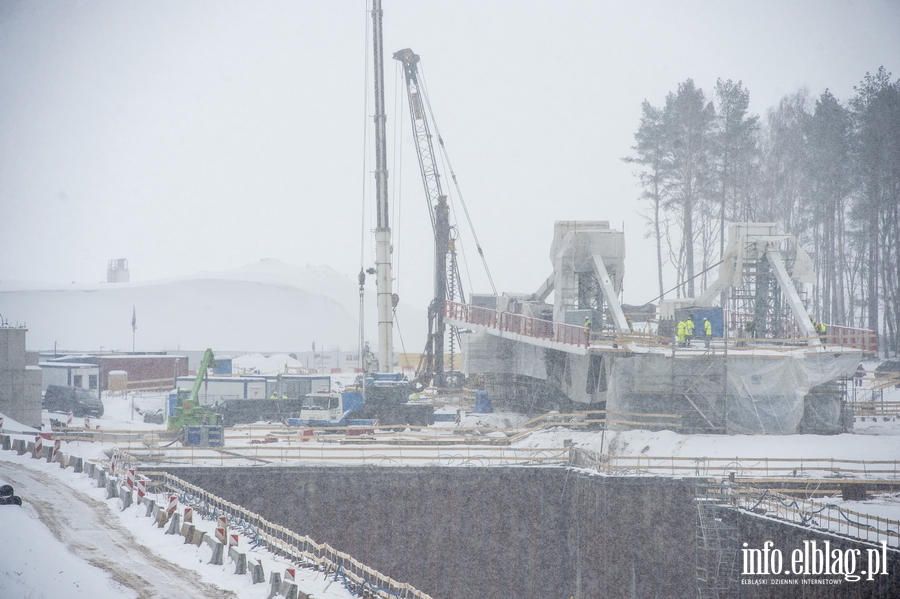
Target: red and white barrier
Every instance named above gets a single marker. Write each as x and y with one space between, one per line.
222 529
69 420
1 423
188 514
173 505
112 462
57 444
141 489
87 423
129 478
38 445
290 574
233 539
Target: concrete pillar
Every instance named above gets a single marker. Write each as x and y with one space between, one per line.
125 498
174 525
198 537
257 575
239 558
187 531
289 590
112 488
216 557
275 584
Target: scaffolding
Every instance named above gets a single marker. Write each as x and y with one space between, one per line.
717 548
757 283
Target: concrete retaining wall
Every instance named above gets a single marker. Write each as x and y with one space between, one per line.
483 532
509 532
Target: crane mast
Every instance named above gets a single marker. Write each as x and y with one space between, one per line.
438 212
383 278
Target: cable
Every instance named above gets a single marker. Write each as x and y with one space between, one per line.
455 182
683 282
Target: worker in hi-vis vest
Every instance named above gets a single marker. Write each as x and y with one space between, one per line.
707 330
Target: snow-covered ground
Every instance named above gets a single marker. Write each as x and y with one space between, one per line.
67 539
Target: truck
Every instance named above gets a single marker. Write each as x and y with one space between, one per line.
386 399
386 403
331 409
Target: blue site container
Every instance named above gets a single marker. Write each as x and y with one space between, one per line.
193 435
215 436
205 436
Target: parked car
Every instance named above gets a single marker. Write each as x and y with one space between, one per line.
81 402
889 369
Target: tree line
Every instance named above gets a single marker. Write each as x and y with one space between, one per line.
825 170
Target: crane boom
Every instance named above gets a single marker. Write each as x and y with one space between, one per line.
383 278
438 211
421 131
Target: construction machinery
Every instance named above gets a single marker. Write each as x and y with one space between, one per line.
386 393
188 411
447 281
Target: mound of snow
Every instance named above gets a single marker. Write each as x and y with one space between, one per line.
259 364
267 306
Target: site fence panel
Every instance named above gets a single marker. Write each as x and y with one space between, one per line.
815 514
790 468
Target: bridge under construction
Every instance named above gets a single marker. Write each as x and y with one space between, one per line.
764 370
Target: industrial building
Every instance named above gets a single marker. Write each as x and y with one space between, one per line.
144 371
20 378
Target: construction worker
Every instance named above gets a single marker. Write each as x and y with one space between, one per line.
707 331
689 330
680 329
820 328
859 375
587 322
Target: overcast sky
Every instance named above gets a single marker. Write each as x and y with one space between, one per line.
189 136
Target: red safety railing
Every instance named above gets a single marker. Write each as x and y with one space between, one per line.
520 324
864 339
835 335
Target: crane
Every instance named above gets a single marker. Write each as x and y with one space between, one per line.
446 283
383 280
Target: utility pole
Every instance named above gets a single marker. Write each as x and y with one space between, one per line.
383 278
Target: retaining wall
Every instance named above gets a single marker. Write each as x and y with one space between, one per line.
484 532
516 532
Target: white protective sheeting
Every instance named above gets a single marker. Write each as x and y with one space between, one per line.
766 394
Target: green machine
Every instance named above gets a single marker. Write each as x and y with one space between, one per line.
188 411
